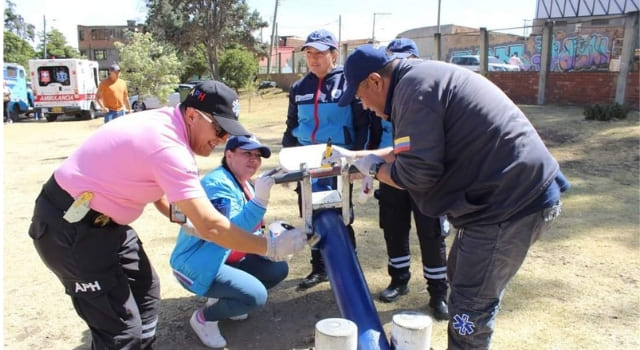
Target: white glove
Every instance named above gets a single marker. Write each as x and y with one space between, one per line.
263 190
365 164
189 229
286 243
367 189
338 152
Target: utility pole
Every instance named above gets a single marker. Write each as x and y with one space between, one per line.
339 37
438 37
438 27
273 34
373 32
44 36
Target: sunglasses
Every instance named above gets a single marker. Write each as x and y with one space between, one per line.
220 132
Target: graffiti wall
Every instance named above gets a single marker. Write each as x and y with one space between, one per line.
590 50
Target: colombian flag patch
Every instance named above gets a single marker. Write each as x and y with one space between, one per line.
401 144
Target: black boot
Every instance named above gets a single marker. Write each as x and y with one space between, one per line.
440 308
314 278
394 291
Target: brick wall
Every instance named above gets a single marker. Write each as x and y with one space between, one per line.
573 88
521 87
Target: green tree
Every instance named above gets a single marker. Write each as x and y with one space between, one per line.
15 23
17 50
237 67
149 67
212 24
57 46
194 63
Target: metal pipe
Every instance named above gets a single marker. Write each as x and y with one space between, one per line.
347 280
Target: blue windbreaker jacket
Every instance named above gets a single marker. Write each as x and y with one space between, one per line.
195 262
314 115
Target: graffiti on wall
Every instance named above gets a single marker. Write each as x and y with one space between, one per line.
576 52
569 52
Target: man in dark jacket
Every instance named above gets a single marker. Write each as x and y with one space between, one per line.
463 149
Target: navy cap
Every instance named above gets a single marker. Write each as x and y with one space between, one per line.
214 97
321 40
364 60
403 47
247 143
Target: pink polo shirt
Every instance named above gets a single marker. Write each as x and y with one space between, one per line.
131 161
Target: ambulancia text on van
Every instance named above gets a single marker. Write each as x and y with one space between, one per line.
65 86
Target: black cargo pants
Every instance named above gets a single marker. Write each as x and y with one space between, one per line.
104 269
396 207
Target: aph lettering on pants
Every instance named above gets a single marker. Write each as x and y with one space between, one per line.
88 287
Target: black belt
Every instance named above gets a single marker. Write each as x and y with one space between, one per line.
62 200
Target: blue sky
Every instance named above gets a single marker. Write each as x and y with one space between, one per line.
300 17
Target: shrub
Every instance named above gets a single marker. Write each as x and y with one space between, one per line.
605 112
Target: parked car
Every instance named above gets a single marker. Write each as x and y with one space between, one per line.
266 84
472 62
152 102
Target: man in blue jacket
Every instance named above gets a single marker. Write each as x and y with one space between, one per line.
463 149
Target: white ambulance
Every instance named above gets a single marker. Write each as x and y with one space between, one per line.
65 86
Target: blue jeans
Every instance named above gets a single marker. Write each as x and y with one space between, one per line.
482 260
242 287
111 115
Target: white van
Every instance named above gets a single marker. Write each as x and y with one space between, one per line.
65 86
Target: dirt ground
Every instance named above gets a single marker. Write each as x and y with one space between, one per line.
578 288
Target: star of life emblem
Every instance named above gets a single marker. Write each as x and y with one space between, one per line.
463 325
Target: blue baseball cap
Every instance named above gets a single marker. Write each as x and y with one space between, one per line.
321 40
247 143
403 47
364 60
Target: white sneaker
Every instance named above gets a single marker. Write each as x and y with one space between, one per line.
239 317
207 331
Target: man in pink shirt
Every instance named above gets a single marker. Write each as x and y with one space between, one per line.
80 225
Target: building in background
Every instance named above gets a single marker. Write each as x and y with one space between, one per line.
97 43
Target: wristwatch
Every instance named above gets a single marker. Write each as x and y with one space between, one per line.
373 172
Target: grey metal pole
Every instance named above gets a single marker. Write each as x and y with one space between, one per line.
339 37
545 61
629 43
273 33
44 35
438 27
373 31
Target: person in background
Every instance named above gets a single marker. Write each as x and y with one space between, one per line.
240 285
112 95
395 220
81 220
314 117
462 149
514 60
